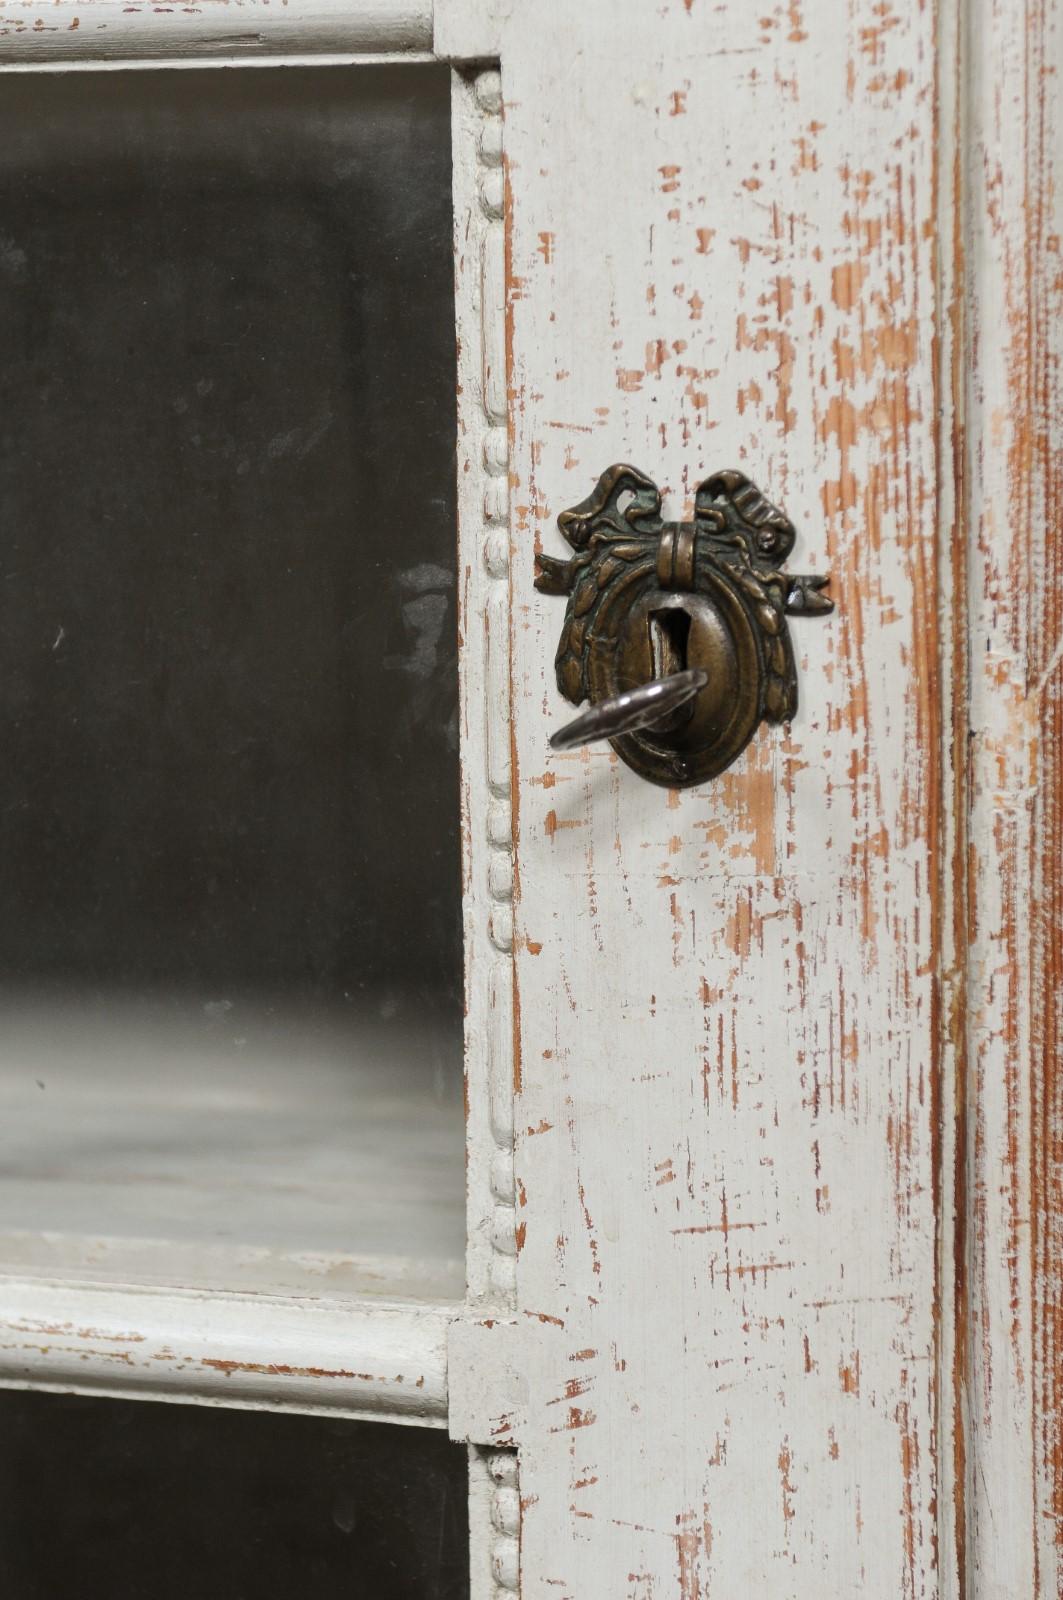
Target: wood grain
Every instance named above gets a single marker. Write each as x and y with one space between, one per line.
80 32
254 1352
1014 433
724 250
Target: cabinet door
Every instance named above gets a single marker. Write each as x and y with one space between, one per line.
762 1081
786 1047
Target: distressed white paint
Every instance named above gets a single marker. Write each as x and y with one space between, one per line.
470 30
260 1352
488 867
74 32
734 1348
787 1133
723 253
484 629
494 1519
252 1351
1013 408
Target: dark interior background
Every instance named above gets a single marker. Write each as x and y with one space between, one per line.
228 682
128 1500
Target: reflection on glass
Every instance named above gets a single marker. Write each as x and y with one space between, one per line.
230 942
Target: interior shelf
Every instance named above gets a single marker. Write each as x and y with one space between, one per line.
232 1201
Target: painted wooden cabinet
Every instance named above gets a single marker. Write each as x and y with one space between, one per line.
761 1158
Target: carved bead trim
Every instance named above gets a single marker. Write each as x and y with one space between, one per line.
494 459
505 1523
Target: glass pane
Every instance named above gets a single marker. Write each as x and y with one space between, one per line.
120 1500
230 931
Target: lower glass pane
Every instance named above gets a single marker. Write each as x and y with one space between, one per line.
120 1500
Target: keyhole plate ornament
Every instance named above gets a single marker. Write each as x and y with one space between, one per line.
648 599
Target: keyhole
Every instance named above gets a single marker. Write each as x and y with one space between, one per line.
669 637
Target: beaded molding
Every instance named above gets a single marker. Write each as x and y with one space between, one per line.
505 1523
494 455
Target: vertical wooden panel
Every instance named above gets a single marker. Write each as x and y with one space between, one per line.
724 251
1014 407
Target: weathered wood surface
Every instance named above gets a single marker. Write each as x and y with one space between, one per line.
1011 1244
79 32
745 1127
258 1352
787 1191
479 249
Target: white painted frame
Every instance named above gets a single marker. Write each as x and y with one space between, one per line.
114 34
256 1352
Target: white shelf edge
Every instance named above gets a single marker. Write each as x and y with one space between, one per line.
234 59
354 1359
74 32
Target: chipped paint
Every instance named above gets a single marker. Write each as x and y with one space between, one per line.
88 31
1012 1240
733 1017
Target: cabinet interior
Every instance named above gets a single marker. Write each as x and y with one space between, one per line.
231 944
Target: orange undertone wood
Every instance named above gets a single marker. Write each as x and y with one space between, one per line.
788 1099
1013 408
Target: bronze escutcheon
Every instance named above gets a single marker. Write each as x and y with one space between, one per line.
675 632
